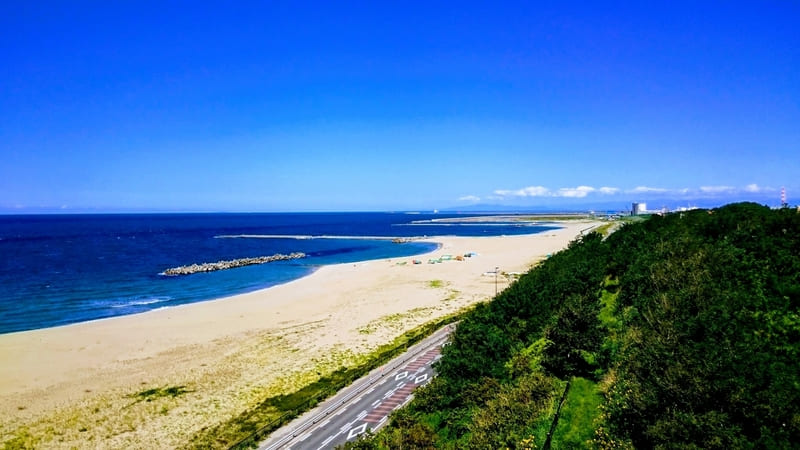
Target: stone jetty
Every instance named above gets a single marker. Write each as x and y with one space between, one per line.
230 264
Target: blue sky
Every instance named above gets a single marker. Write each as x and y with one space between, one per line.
286 106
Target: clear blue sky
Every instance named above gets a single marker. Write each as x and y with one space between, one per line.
275 106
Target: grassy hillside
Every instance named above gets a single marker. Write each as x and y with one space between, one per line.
681 331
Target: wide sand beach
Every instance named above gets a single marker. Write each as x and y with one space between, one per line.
76 385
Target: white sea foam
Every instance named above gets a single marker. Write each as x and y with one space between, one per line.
126 303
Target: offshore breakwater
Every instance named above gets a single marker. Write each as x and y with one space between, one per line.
230 264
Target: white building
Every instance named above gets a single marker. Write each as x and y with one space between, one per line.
638 209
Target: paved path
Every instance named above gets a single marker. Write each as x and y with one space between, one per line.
364 405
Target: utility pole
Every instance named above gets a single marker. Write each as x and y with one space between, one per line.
495 280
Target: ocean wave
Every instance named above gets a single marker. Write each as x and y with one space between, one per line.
138 301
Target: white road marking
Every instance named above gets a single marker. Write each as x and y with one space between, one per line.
356 431
424 354
326 442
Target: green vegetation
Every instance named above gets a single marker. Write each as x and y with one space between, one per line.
248 428
436 283
22 441
396 321
149 395
605 229
681 331
576 423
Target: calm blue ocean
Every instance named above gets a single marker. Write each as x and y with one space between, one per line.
61 269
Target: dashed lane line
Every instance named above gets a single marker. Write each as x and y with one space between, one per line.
326 442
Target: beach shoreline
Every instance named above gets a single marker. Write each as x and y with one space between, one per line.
66 384
312 269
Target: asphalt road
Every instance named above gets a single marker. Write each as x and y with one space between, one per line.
364 405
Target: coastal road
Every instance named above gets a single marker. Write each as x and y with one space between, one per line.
364 405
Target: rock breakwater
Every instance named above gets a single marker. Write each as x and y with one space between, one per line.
230 264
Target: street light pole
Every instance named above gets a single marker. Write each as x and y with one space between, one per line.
495 280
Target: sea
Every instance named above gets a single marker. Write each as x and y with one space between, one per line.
63 269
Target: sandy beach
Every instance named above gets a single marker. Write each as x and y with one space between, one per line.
75 386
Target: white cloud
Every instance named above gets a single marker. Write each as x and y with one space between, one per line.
530 191
752 188
584 191
716 189
578 192
534 191
469 198
608 190
567 192
646 189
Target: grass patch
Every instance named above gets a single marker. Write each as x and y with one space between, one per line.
368 329
436 283
604 229
608 299
394 321
452 295
540 426
576 424
250 427
149 395
634 219
23 440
